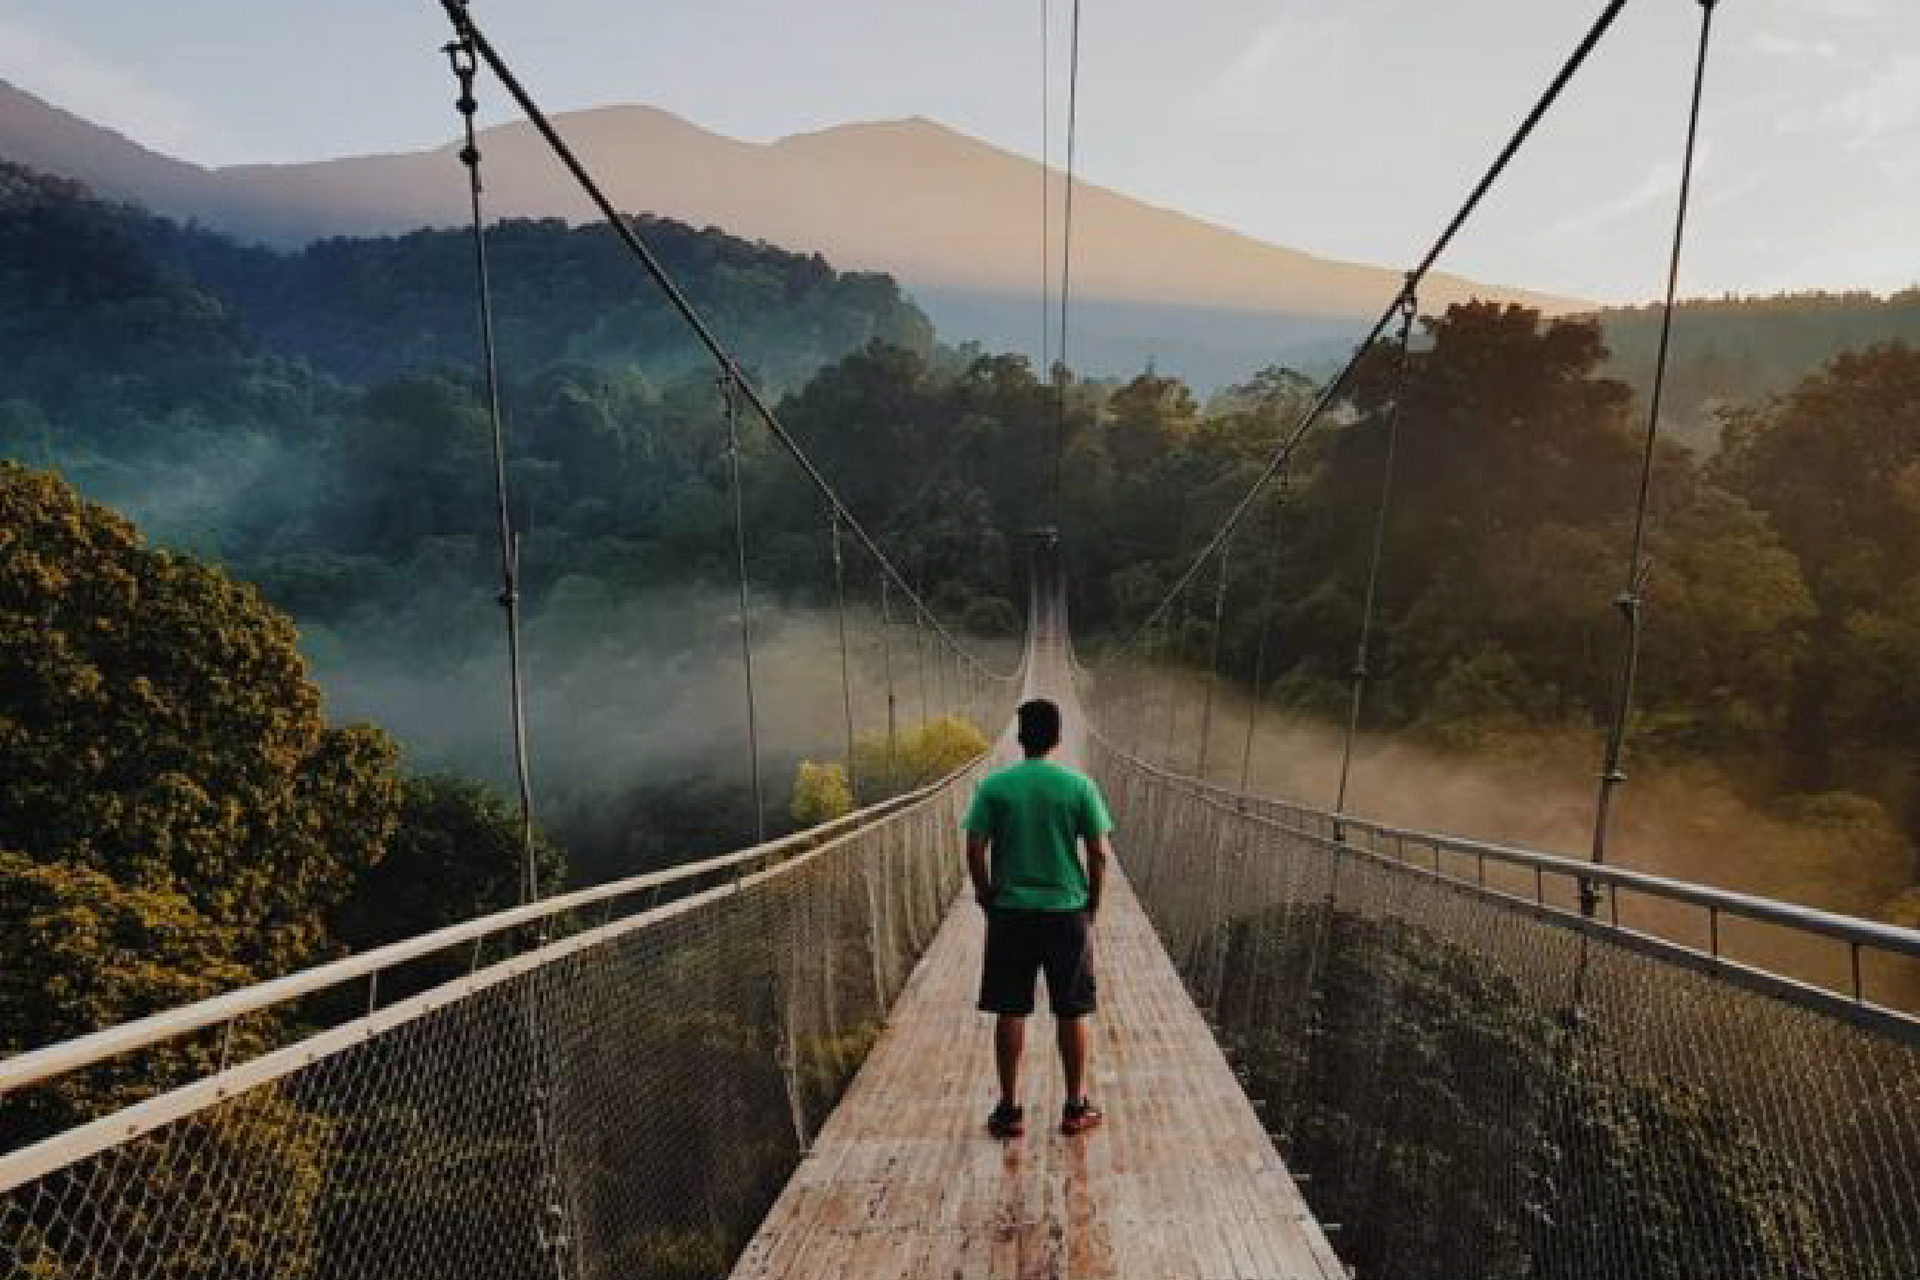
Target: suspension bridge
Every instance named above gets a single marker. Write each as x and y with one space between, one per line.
1328 1046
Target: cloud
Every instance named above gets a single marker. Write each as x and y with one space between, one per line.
1844 10
1887 104
1853 10
1774 44
1660 183
1295 48
50 66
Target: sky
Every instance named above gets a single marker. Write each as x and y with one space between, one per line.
1348 128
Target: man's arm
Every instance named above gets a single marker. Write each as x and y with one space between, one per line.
1096 871
1095 823
977 868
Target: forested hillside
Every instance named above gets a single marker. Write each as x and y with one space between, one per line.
176 817
300 441
311 422
1735 351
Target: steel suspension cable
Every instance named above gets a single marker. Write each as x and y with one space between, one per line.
1066 262
1046 195
1253 701
1629 602
460 54
1213 662
1266 638
1363 648
886 665
1177 646
730 405
1337 387
846 671
1143 698
920 654
532 1014
471 35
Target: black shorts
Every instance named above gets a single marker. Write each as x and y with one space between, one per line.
1021 943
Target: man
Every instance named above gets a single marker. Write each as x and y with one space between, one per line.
1023 831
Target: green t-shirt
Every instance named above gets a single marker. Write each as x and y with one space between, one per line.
1034 815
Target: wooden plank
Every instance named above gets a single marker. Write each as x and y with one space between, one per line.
1181 1180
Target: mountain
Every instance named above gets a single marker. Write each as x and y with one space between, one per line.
954 218
39 136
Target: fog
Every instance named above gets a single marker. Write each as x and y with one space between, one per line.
199 492
1686 821
636 706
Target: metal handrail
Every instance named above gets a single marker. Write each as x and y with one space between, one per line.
69 1146
38 1065
1849 929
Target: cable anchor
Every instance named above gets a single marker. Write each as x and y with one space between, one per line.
465 62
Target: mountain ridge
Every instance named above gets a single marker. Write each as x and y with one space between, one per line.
951 215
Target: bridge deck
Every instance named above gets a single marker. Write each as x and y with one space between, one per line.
1181 1181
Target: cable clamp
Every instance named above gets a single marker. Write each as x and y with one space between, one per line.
1644 576
466 64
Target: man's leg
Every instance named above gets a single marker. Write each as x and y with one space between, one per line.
1009 1037
1072 1035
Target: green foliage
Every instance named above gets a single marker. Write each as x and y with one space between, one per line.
176 819
366 309
455 854
935 749
1453 1128
1729 352
79 950
820 793
1484 697
991 616
922 754
1834 466
1780 623
159 730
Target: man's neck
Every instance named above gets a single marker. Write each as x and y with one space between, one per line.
1039 755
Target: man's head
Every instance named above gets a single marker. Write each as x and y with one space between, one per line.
1039 730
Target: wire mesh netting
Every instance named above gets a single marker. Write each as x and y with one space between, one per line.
624 1098
1476 1089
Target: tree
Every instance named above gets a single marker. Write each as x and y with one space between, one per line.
166 781
1147 418
921 755
1852 429
456 853
820 793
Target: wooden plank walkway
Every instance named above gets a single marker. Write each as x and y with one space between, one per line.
1181 1182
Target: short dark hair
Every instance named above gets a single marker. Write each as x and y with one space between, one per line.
1039 725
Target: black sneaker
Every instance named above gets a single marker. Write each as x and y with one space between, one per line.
1007 1121
1078 1117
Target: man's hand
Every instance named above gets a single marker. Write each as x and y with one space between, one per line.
977 868
1096 873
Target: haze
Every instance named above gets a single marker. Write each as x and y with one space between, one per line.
1345 130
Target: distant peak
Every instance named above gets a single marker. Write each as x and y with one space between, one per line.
630 112
919 130
887 124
